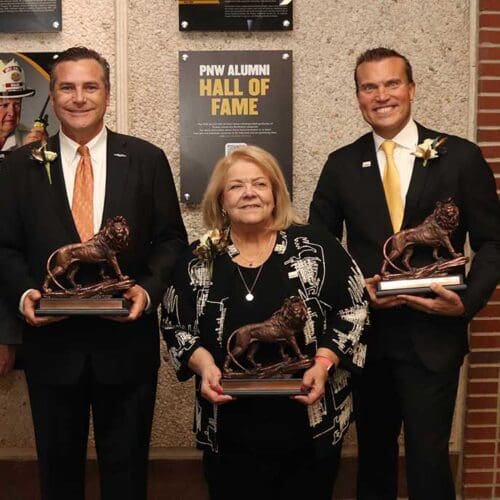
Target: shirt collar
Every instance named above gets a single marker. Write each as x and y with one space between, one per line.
406 138
69 146
10 143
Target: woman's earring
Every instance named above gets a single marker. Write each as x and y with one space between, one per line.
224 213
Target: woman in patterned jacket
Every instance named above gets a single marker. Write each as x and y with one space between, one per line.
257 255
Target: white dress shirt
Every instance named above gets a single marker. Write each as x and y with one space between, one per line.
69 161
406 144
9 143
16 139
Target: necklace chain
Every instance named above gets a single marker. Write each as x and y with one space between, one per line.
249 296
262 251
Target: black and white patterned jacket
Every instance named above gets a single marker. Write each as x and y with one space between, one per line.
317 269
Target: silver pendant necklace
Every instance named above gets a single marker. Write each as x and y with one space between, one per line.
249 296
257 258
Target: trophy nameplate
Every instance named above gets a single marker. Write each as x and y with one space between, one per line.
63 296
419 286
62 306
243 375
263 387
434 232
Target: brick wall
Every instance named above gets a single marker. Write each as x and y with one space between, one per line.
481 478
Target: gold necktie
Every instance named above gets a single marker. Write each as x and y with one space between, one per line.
82 206
392 186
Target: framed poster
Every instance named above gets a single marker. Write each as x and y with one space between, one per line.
229 99
235 15
36 16
24 93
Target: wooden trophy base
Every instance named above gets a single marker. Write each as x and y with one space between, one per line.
262 387
71 306
419 286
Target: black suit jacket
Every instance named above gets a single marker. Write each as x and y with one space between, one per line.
37 220
11 327
351 192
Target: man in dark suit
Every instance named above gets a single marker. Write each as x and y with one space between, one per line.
416 344
13 90
77 363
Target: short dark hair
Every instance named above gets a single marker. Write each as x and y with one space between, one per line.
77 54
378 54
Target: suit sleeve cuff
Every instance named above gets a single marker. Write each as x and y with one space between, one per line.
149 306
21 300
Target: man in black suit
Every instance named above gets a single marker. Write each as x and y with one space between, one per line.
416 344
77 363
13 90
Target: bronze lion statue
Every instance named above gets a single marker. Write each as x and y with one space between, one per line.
101 249
434 232
279 329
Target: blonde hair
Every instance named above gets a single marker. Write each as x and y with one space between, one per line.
284 214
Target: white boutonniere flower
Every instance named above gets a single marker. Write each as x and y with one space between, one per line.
212 243
429 149
44 157
210 238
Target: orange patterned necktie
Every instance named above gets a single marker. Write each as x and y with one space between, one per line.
392 187
82 206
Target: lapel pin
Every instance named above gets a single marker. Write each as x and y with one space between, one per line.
366 164
120 155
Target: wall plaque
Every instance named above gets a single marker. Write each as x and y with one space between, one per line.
24 98
37 16
229 99
235 15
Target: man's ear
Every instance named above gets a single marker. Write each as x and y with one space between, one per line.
413 90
